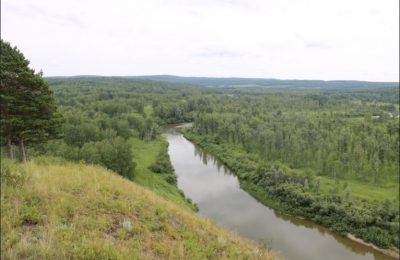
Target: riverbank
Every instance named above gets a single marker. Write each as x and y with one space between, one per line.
261 196
389 252
290 198
146 153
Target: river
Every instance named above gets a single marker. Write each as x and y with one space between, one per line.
218 194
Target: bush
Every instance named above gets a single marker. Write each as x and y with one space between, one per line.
162 165
11 174
30 215
170 178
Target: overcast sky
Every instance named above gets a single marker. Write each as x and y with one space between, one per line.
286 39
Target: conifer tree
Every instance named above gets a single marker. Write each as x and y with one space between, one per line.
28 111
13 67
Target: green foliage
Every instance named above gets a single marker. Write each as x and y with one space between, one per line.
330 145
28 110
102 114
171 179
11 174
115 154
162 165
30 215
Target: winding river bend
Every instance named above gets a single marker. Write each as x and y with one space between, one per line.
218 194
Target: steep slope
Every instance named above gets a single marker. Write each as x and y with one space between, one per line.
75 211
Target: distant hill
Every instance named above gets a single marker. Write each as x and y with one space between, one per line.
242 82
268 83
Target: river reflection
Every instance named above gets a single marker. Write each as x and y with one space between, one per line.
218 194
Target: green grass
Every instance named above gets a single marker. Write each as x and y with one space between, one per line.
145 154
62 210
148 110
363 190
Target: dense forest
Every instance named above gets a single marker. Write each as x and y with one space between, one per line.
102 114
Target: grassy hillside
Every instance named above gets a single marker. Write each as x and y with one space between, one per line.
62 210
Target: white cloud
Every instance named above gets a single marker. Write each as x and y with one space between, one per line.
307 39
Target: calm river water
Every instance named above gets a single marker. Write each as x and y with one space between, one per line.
218 194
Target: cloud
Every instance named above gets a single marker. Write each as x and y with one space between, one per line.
239 3
65 19
313 39
219 53
318 45
40 13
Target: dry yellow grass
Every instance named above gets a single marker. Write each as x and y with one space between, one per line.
74 211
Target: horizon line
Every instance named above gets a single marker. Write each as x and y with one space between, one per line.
211 77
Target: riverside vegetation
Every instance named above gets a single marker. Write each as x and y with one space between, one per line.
322 157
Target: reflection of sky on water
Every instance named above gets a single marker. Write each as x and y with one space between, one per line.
219 197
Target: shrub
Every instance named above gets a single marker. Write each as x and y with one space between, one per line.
11 174
30 215
170 178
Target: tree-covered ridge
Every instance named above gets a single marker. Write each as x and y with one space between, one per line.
271 83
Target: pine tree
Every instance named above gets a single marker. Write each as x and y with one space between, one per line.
28 111
13 68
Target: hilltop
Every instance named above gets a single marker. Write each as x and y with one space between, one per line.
60 210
